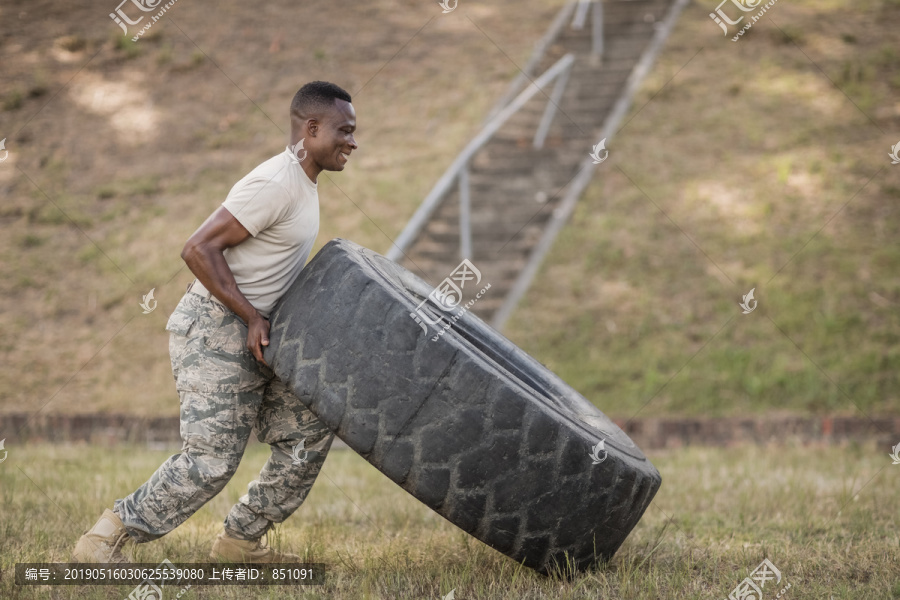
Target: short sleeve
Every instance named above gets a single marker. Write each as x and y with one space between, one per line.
257 204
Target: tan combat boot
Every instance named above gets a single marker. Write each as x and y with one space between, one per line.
103 542
229 549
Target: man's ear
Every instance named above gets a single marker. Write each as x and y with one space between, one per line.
312 126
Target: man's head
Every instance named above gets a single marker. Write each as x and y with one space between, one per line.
322 116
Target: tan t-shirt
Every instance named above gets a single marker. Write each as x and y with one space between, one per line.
279 205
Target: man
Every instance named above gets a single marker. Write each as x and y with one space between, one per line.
245 256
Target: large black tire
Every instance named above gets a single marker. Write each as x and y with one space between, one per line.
469 424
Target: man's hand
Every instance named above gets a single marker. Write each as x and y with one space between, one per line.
258 336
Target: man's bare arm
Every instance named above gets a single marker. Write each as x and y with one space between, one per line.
203 255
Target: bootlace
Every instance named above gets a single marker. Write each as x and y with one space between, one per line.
112 555
263 542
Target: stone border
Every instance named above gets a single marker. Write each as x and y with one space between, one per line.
648 434
676 432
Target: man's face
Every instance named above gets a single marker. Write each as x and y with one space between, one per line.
334 140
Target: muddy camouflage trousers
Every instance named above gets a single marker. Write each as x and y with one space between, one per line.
225 392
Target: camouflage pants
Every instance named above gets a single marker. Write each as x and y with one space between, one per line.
225 392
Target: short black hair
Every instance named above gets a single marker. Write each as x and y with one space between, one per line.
315 97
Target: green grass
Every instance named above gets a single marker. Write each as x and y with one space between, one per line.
825 516
744 167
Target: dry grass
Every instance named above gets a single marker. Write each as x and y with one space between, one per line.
826 517
105 183
749 150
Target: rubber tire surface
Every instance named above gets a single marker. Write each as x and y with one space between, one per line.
469 424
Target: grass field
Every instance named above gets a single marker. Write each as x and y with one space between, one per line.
827 518
761 163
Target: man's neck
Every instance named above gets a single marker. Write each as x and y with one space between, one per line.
311 170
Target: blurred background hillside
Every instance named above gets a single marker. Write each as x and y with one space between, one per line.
757 164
